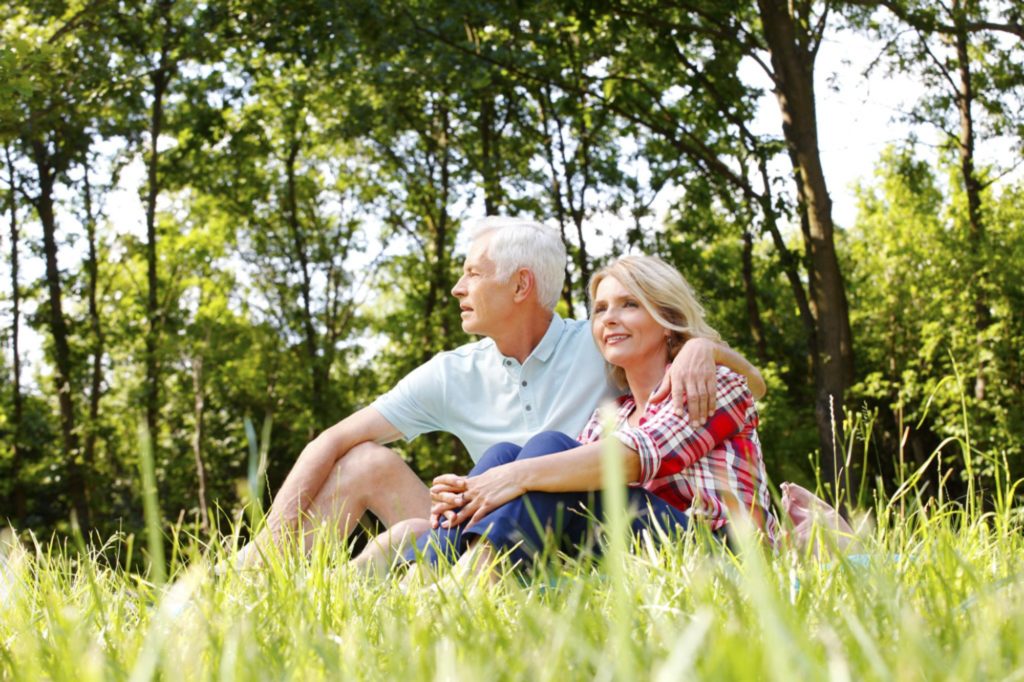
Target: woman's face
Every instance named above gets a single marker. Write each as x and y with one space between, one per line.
625 332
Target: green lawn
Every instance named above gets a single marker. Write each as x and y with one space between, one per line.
937 595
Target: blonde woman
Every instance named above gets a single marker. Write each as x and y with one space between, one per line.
642 312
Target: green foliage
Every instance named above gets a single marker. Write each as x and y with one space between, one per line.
911 297
319 160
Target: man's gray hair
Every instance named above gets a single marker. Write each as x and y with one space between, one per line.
518 243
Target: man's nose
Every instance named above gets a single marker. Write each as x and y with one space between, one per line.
458 291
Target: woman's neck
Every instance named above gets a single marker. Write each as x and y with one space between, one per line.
644 377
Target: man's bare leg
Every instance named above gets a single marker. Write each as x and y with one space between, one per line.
380 552
369 477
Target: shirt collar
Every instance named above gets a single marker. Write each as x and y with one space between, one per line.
550 339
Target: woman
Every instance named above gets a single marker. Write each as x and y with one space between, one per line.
643 311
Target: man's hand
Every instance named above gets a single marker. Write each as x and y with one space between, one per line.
476 495
691 379
446 498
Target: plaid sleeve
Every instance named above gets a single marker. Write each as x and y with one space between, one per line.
592 431
667 443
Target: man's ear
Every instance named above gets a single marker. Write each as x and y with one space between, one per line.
525 284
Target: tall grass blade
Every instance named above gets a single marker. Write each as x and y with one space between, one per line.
151 507
616 522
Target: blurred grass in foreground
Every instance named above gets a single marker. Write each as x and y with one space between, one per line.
937 592
938 595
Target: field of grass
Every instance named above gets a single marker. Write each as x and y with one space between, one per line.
933 590
936 594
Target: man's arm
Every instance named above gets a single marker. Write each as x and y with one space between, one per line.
692 377
317 459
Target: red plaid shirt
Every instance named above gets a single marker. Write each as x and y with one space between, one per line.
699 469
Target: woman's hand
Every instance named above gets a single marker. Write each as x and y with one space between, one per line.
476 495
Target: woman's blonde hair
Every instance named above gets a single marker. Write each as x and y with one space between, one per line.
666 295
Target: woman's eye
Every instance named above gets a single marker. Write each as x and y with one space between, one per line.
630 304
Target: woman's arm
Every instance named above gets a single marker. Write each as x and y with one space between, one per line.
578 469
668 442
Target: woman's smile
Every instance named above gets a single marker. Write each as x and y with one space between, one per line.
626 334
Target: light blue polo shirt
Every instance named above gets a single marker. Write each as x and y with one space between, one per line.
482 397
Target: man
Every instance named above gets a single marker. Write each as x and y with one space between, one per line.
532 372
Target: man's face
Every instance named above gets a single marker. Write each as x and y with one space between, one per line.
485 303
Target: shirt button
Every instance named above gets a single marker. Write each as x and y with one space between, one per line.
528 408
508 362
524 383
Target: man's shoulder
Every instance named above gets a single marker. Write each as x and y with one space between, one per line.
473 351
576 332
577 326
462 363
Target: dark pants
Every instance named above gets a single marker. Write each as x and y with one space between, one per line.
521 525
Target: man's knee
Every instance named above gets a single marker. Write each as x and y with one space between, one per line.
367 467
371 461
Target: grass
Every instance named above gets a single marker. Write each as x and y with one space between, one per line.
937 595
936 592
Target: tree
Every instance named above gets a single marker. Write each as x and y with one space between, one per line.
963 53
66 64
17 399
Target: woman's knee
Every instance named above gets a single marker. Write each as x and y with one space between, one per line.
496 455
546 443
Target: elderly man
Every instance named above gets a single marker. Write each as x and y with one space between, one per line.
532 372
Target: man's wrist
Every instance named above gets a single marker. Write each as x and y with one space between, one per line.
716 347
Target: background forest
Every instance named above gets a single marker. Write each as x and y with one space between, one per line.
305 168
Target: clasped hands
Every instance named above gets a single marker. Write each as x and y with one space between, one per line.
456 499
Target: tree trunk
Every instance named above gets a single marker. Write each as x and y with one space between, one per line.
96 383
490 154
577 205
793 67
160 79
317 373
77 486
750 289
791 267
544 102
439 270
972 187
199 414
18 490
